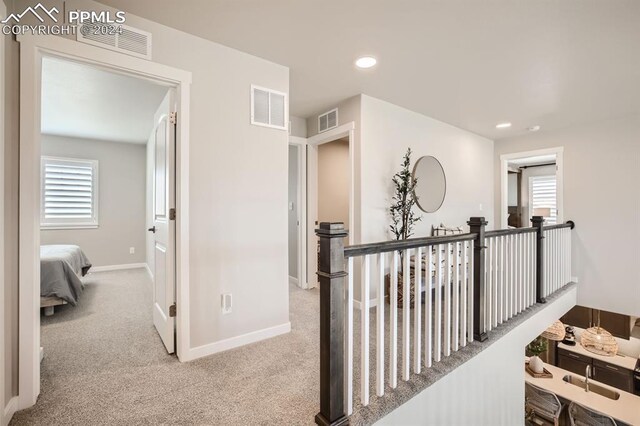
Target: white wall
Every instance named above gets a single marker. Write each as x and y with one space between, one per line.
333 182
513 189
387 131
489 388
3 348
601 176
121 203
298 127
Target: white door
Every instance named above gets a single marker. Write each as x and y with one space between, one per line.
164 223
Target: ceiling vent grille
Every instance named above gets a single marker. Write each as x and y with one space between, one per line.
121 38
328 120
269 108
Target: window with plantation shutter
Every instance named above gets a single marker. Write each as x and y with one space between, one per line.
542 194
69 196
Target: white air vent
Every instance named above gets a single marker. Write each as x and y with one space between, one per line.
269 108
328 120
120 38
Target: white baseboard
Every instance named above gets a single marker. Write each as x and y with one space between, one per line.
146 265
235 342
9 410
293 280
574 279
118 267
372 304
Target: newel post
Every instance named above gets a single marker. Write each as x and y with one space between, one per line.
331 276
538 223
477 226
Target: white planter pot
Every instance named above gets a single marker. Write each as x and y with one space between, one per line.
536 364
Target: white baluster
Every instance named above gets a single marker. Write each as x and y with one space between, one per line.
463 294
428 308
447 301
500 277
494 274
349 361
456 297
380 328
406 311
393 320
470 291
437 344
364 331
488 268
417 313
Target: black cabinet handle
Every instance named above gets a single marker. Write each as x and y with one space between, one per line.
611 367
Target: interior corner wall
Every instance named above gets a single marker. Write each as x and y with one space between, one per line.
333 182
10 158
601 176
298 127
3 372
121 200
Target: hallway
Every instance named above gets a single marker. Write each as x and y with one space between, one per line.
105 364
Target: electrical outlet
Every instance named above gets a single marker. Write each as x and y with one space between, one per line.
132 250
227 303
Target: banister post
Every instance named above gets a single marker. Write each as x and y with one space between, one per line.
331 276
538 223
477 226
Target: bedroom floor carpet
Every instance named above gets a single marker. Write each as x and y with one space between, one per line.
105 364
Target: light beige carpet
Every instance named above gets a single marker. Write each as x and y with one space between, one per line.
105 364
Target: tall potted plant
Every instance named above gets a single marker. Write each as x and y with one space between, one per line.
403 219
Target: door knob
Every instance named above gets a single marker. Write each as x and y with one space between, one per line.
152 229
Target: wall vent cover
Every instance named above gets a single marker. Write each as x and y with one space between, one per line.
127 40
328 120
269 108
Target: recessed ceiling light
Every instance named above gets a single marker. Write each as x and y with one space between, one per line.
503 125
366 62
533 128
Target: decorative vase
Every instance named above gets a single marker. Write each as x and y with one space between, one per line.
536 364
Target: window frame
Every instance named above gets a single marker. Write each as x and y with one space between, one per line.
531 206
70 223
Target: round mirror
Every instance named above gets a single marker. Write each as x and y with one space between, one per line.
431 185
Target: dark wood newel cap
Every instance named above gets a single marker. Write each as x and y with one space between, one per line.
477 221
333 229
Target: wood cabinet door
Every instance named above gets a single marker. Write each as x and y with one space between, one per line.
612 375
617 324
578 316
573 362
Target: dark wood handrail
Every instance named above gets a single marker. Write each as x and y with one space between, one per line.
510 231
567 224
411 243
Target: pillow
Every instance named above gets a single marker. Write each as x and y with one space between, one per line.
441 230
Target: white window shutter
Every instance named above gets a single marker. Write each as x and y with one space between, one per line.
69 193
542 194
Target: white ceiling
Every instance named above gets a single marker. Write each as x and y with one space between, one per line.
466 62
86 102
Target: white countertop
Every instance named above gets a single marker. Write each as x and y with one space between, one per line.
620 360
626 409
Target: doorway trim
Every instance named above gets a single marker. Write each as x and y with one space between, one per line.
504 186
344 130
301 144
32 50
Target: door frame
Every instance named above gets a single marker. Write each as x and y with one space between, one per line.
504 185
301 195
345 130
32 50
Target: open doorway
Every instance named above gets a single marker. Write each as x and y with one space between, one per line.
107 242
532 186
330 187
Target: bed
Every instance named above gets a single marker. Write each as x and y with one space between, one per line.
61 267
